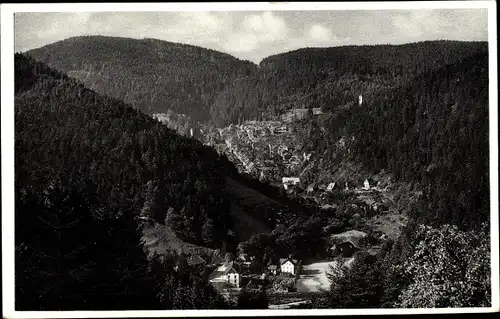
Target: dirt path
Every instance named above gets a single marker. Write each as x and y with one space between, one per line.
288 305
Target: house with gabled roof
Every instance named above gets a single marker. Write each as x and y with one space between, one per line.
330 186
347 243
228 273
289 265
290 181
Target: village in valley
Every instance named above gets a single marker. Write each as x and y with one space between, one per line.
270 151
259 158
287 280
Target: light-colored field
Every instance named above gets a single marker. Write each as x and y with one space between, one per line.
162 239
313 277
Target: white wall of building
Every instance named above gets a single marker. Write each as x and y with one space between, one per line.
288 267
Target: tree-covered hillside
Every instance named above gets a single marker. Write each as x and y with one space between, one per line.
156 76
332 78
432 131
152 75
86 167
66 132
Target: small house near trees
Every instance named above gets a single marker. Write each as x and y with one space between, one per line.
369 182
228 272
289 265
347 243
273 269
330 187
289 182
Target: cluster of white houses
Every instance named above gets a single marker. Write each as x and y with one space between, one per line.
229 274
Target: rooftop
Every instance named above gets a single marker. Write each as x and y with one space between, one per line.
284 260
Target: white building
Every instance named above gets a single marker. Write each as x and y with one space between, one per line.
366 185
226 273
290 181
330 186
288 265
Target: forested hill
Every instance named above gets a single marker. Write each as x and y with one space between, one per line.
433 132
86 167
156 76
332 78
71 137
152 75
406 59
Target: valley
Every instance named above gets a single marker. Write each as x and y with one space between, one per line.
232 182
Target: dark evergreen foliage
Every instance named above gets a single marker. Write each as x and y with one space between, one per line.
67 132
86 167
331 78
433 131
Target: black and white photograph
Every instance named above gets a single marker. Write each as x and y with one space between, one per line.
248 159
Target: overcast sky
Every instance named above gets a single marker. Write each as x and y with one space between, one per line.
253 35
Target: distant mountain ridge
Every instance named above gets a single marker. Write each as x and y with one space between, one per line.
209 86
152 75
70 135
332 78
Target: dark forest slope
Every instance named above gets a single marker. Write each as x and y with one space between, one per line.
85 167
332 77
156 76
66 133
432 131
69 134
150 74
